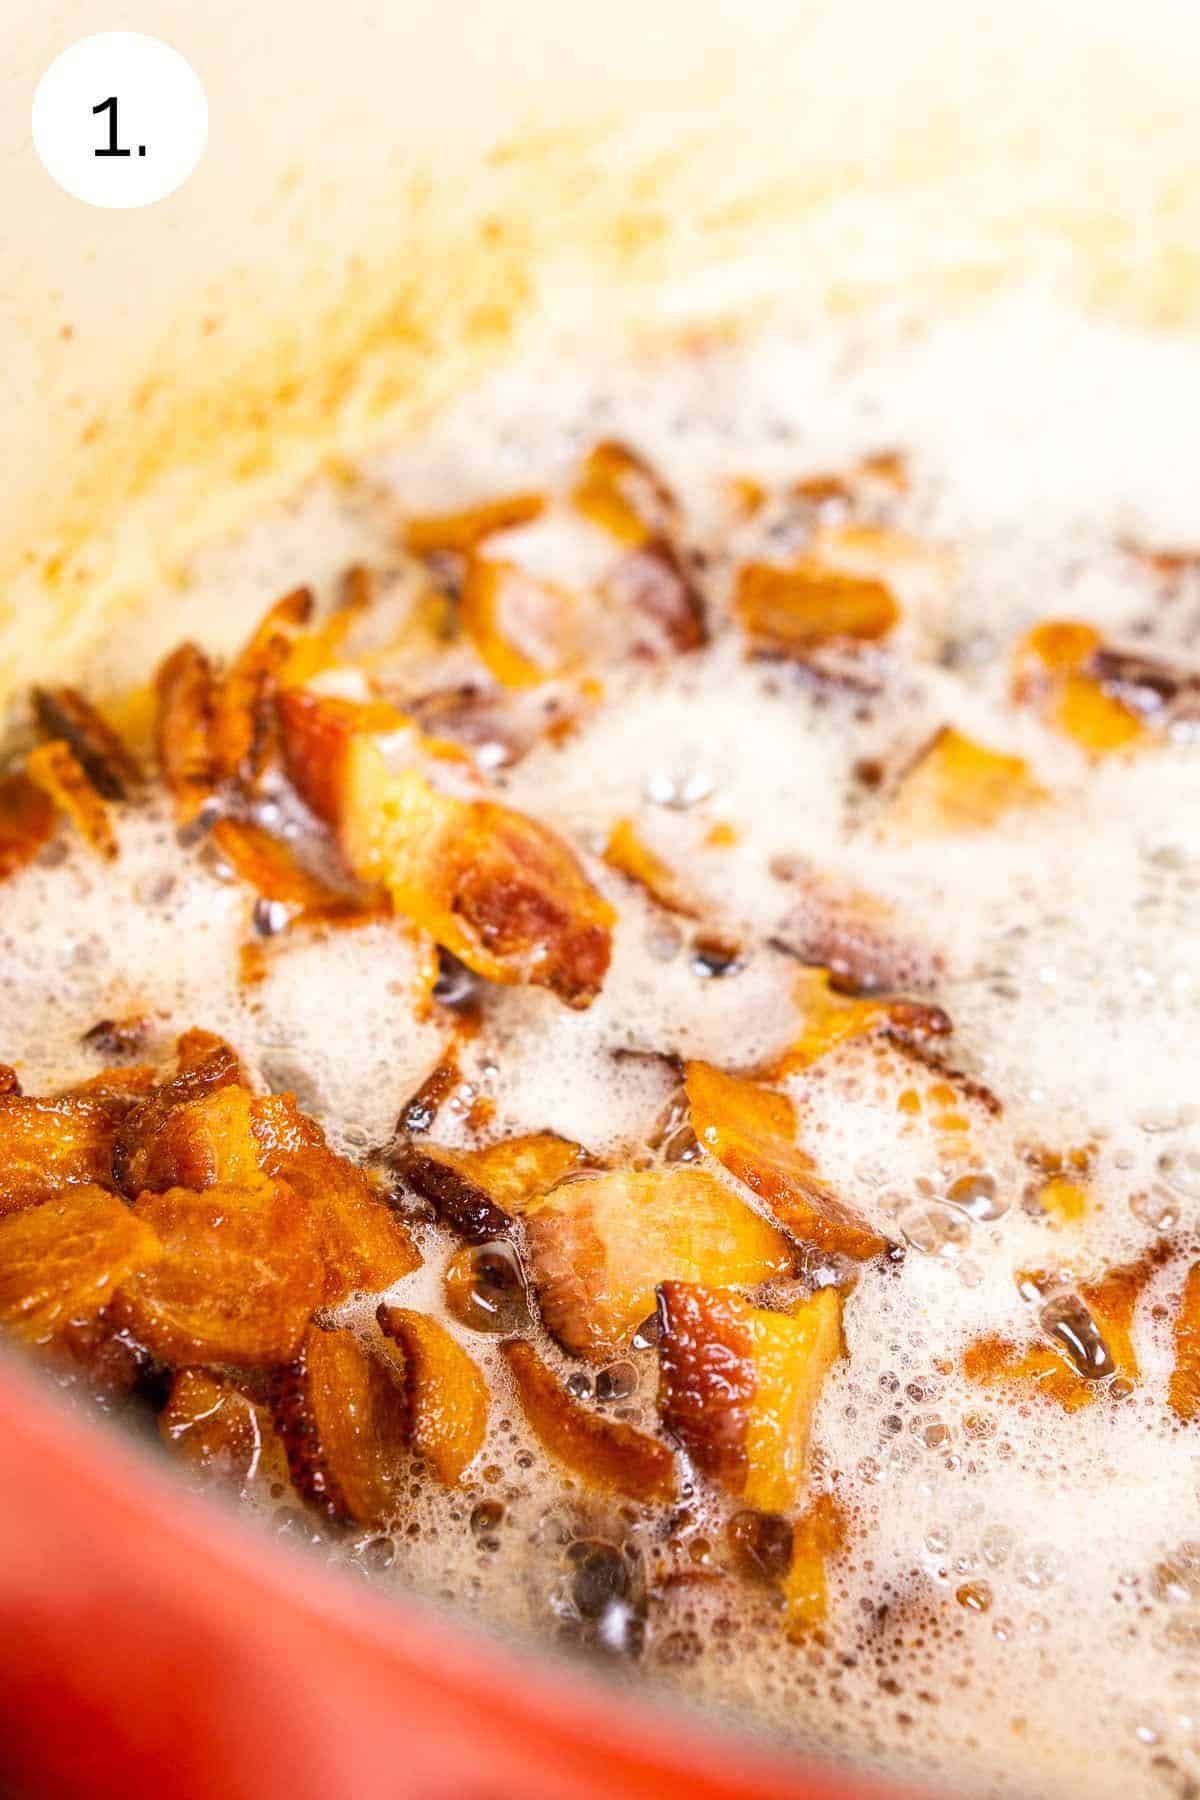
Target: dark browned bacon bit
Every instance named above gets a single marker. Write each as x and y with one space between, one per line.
117 1037
654 588
1163 693
106 760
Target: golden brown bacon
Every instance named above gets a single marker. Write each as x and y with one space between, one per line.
274 870
619 491
219 1430
819 1534
26 822
600 1244
446 1394
496 888
63 1260
110 766
1183 1392
659 599
463 531
476 1192
605 1453
626 852
753 1132
522 628
789 611
956 784
238 1279
55 768
1059 669
243 720
344 1421
738 1386
185 692
47 1146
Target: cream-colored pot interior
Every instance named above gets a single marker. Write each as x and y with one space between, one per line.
392 190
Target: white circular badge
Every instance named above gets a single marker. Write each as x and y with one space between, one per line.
120 119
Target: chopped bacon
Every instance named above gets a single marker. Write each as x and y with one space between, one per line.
26 822
604 1453
185 690
62 1261
109 764
461 532
752 1131
61 776
447 1395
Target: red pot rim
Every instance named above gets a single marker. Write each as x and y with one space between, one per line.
149 1644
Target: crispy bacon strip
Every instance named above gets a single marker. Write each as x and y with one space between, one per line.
496 888
521 627
463 531
271 867
738 1386
600 1244
631 856
244 714
62 1262
47 1146
817 1537
1059 669
753 1132
185 691
109 764
238 1280
620 491
56 770
605 1453
344 1421
956 784
788 611
26 821
447 1395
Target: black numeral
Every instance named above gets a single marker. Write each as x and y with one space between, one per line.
112 148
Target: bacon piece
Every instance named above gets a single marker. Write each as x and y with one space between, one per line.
447 1396
365 1247
956 784
271 867
619 491
55 769
463 531
738 1386
117 1037
652 588
344 1422
600 1244
206 1064
1047 1368
238 1280
26 822
522 628
1058 669
829 1018
626 852
1183 1391
185 693
477 1192
63 1261
49 1145
819 1534
604 1453
752 1131
107 761
317 733
496 888
789 611
219 1430
243 718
